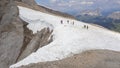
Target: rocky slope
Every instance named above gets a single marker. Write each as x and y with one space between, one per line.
11 34
38 40
87 59
16 40
33 5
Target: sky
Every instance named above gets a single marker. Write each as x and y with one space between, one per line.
75 6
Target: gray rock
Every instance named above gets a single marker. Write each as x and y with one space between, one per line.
87 59
28 2
11 35
16 40
40 39
3 5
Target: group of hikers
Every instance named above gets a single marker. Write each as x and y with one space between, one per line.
85 26
67 22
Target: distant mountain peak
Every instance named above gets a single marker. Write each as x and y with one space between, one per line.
90 12
115 15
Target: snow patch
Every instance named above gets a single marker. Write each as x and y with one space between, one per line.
69 39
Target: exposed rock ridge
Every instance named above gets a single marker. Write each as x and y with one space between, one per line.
40 39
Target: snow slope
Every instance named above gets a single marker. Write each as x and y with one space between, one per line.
68 40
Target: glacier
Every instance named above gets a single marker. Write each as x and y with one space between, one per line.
69 38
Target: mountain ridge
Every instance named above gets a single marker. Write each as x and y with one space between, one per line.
22 35
44 9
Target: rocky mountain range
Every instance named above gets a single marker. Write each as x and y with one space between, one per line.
115 15
90 13
110 21
17 41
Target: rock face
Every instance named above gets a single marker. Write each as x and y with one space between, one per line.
88 59
11 34
39 40
28 2
115 15
16 40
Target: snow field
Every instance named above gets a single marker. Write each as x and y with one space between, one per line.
68 40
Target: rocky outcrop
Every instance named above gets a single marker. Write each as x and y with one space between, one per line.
28 2
2 7
88 59
11 34
40 39
15 37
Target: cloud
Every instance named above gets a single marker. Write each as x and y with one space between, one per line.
67 3
78 5
86 3
53 1
64 3
71 3
118 2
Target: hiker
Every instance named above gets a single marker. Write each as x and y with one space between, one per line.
87 27
68 21
61 21
84 26
73 22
